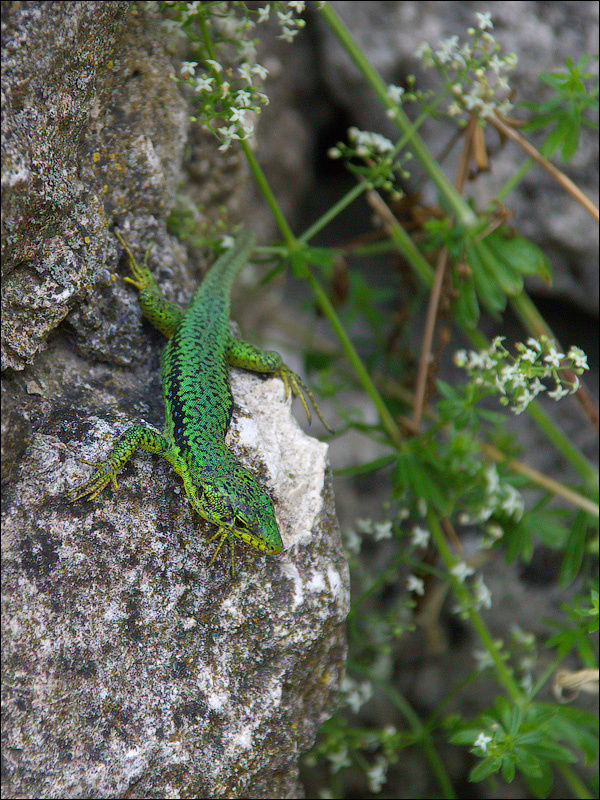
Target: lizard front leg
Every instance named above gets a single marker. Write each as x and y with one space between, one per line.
247 356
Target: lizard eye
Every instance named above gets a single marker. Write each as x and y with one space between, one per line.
240 523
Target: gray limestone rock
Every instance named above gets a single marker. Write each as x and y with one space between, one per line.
131 668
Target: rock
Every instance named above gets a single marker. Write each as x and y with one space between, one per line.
131 667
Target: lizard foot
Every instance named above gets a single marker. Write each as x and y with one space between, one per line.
293 383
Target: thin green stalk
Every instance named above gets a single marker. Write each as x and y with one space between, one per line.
421 733
564 446
465 599
460 208
386 418
259 177
569 776
514 180
406 246
333 212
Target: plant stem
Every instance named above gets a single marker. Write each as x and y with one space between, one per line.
421 733
577 785
514 180
559 176
461 209
465 599
406 246
386 418
333 212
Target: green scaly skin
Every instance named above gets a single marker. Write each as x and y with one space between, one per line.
199 403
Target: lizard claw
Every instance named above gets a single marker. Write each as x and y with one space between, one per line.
293 383
94 485
225 534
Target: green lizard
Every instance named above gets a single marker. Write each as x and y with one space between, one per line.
199 403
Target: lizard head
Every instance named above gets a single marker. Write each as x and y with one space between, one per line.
234 501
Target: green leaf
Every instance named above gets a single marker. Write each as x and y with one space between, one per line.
367 467
508 769
508 277
574 550
466 306
465 736
544 525
522 255
541 786
528 763
483 770
571 141
488 291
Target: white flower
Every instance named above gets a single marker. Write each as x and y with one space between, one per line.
263 13
352 541
483 596
297 5
188 68
460 358
423 51
203 84
529 355
491 478
447 49
364 525
482 741
214 64
242 98
383 530
339 759
258 69
513 502
461 571
227 242
554 357
558 392
287 34
237 114
484 20
483 659
230 132
416 585
376 775
524 638
356 694
420 536
244 72
395 93
494 530
578 357
536 386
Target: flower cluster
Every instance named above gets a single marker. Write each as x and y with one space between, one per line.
373 158
518 379
473 71
226 79
499 498
355 694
